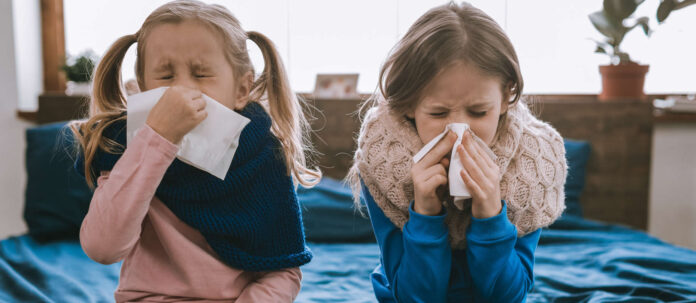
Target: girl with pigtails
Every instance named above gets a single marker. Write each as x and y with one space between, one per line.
183 234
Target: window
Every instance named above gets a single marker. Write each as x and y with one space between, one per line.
552 38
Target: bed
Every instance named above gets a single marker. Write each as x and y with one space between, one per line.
578 259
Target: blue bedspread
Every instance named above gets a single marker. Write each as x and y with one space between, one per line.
339 273
53 272
584 261
577 261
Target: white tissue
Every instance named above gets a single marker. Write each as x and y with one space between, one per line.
210 146
457 188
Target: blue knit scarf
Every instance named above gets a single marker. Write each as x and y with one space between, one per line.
251 219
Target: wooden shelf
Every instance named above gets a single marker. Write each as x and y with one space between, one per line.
29 116
54 107
662 116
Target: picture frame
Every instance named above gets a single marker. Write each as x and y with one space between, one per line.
336 86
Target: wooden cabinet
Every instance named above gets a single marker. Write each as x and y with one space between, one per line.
617 181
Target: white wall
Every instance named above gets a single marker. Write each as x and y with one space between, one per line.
552 37
12 175
312 36
28 52
672 214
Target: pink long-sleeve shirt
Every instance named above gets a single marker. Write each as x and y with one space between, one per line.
165 260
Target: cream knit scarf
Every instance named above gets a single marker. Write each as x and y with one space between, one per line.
530 154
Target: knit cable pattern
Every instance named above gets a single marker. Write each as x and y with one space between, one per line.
530 154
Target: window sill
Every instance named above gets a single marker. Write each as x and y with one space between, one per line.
55 107
29 116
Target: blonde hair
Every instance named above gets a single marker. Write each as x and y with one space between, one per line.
442 36
108 103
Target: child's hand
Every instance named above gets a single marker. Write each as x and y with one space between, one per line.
178 111
481 176
429 174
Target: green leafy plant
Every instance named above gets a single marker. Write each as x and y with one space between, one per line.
668 6
80 69
611 21
615 20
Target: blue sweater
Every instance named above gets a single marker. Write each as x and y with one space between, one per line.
418 264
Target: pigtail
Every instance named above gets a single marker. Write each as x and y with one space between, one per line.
289 123
107 105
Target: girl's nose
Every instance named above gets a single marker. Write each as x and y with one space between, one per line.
186 81
458 117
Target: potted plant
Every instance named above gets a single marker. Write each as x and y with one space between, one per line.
623 77
78 71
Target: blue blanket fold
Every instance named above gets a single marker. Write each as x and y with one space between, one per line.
581 260
577 260
53 272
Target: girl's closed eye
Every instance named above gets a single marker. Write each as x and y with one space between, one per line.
201 70
478 113
439 114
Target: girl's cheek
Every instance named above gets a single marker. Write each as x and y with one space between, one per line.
486 130
430 127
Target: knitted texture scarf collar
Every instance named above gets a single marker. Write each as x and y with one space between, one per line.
251 219
530 154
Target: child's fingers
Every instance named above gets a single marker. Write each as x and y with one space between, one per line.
439 151
437 169
473 149
199 104
196 94
445 162
484 155
470 165
420 176
434 182
428 182
201 115
473 187
190 93
480 157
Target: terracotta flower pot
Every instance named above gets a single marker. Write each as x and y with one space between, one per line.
624 81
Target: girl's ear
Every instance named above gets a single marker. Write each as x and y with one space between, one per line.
244 84
411 114
504 106
507 93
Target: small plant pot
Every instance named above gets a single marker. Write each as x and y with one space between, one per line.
78 88
623 81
